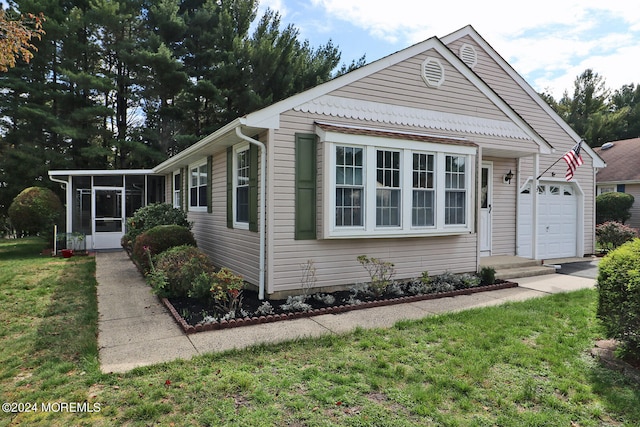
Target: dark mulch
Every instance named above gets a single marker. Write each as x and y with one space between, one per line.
190 312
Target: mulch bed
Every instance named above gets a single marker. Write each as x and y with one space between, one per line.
250 303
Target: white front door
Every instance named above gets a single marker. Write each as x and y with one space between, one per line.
486 177
108 212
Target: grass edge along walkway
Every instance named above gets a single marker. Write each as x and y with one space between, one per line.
523 363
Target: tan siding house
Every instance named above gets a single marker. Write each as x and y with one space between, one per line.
430 158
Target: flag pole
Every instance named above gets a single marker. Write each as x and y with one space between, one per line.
554 163
547 169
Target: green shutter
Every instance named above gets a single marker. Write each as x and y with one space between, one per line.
253 188
209 184
230 187
305 194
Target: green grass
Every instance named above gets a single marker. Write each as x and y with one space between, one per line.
520 364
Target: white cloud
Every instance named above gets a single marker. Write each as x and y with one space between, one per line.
549 42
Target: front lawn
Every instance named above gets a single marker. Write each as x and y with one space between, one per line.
521 364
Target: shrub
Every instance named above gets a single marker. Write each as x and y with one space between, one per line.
158 240
487 275
613 207
612 234
182 267
35 211
226 289
151 216
379 271
619 297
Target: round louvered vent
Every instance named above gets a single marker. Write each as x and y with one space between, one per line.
468 55
432 72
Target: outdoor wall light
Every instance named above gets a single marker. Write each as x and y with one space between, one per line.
508 177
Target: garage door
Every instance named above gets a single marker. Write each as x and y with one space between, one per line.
557 224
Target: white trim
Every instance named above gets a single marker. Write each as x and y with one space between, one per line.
336 106
469 31
369 229
196 165
102 172
236 150
489 165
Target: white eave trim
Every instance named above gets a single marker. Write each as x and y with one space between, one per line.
103 172
334 106
598 162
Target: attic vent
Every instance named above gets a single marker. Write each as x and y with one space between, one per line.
607 145
468 55
432 72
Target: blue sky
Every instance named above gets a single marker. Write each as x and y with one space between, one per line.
549 42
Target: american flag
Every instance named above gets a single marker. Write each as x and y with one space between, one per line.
573 159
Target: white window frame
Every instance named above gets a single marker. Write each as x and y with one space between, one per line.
236 150
407 148
177 194
197 166
606 189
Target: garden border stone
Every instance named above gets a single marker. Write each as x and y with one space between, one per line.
246 321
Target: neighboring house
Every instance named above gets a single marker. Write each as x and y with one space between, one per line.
426 158
622 173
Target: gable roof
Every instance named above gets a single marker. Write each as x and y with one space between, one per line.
269 117
622 158
473 34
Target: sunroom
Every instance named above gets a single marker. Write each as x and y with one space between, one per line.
98 202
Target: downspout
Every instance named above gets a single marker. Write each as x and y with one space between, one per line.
263 203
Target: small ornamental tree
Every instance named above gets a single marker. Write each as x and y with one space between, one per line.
619 297
150 216
613 207
35 211
612 234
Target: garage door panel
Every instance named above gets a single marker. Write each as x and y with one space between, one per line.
557 221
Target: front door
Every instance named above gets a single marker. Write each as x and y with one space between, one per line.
485 208
108 217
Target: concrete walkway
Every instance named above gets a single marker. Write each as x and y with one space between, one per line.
136 330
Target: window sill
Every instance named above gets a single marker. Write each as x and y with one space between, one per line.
395 234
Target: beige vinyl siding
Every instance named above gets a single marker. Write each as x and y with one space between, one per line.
402 84
335 260
503 210
548 128
233 248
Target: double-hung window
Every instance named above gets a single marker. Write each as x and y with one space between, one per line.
349 193
423 204
381 187
241 186
198 187
388 194
177 187
455 190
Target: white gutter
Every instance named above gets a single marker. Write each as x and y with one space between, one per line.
263 203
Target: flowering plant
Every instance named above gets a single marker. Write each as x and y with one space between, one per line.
226 289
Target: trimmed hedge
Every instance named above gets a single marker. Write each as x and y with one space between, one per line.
150 216
613 206
182 267
159 239
619 297
35 211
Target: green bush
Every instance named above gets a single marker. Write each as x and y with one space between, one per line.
612 234
159 239
151 216
35 211
487 275
619 297
183 267
613 207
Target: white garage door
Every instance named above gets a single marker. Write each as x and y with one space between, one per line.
557 223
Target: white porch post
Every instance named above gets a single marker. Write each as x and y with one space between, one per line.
477 204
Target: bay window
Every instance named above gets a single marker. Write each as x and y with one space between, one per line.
396 187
